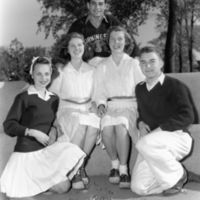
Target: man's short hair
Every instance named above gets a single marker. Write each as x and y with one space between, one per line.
149 49
88 1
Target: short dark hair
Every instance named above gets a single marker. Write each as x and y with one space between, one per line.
149 49
88 1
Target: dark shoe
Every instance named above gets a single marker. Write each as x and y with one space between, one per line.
77 182
48 192
84 176
114 176
124 181
178 187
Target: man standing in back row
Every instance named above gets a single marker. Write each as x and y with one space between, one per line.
94 28
165 112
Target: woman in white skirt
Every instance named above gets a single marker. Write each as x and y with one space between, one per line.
77 116
116 78
38 163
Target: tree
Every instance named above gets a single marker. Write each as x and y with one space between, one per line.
15 61
170 45
132 13
58 15
176 23
162 22
186 33
4 59
167 22
191 9
180 38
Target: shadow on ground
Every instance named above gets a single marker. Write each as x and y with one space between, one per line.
101 189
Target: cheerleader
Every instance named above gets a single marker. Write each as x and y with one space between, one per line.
76 113
38 163
115 81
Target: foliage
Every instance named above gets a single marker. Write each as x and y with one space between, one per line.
162 16
58 15
191 10
4 64
170 45
132 13
59 49
187 33
15 60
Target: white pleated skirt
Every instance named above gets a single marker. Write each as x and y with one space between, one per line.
70 116
122 112
28 174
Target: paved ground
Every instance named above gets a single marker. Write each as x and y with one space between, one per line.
101 189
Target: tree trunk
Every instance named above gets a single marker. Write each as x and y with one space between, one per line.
170 46
180 50
190 9
179 38
190 56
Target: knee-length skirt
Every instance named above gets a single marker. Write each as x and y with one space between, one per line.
70 116
30 173
122 112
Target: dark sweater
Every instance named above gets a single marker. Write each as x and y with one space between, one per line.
95 38
167 106
30 111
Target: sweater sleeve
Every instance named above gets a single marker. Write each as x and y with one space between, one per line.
184 114
138 107
12 124
56 104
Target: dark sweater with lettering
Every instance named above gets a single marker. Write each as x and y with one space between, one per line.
95 38
30 111
167 106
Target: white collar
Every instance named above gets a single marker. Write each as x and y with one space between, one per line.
83 68
31 90
160 79
124 57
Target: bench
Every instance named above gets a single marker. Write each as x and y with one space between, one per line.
99 164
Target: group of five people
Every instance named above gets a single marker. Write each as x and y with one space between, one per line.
119 100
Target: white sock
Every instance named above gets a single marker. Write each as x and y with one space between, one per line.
115 164
123 169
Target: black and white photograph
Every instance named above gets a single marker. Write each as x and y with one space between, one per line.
99 99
